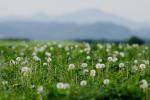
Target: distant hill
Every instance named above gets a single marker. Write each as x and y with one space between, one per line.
41 30
87 16
84 24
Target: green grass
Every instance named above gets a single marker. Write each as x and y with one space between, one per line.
124 83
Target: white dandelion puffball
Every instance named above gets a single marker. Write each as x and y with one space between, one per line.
121 65
45 64
40 89
48 54
146 62
122 54
18 59
92 73
32 86
135 61
62 85
85 71
100 60
142 66
144 84
106 81
83 83
60 45
134 69
115 59
4 82
110 59
100 66
100 46
83 65
36 58
116 52
49 59
25 71
66 85
12 62
71 67
88 57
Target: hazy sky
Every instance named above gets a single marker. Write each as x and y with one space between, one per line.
137 10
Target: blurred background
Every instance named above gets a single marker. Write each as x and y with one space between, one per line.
79 20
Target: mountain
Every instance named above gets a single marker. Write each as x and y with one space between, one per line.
84 24
61 31
143 33
87 16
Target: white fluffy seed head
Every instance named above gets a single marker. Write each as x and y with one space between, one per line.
88 57
12 62
110 59
83 65
144 84
100 60
66 85
40 89
83 83
92 73
135 61
100 66
115 59
48 54
4 82
45 64
62 85
59 85
71 67
122 54
85 70
146 62
18 59
25 71
106 81
121 65
36 58
142 66
49 59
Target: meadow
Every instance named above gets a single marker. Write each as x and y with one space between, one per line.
74 71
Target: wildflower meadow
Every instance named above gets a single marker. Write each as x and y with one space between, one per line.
74 71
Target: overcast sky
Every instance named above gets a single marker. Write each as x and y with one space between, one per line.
137 10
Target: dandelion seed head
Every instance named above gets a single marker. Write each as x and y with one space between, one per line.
144 84
110 59
100 66
48 54
25 71
84 65
71 67
62 85
4 82
83 83
142 66
40 89
92 73
88 57
85 70
36 58
121 65
106 81
49 59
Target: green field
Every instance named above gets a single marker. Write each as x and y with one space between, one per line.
74 71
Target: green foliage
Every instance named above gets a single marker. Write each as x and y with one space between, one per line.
135 40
